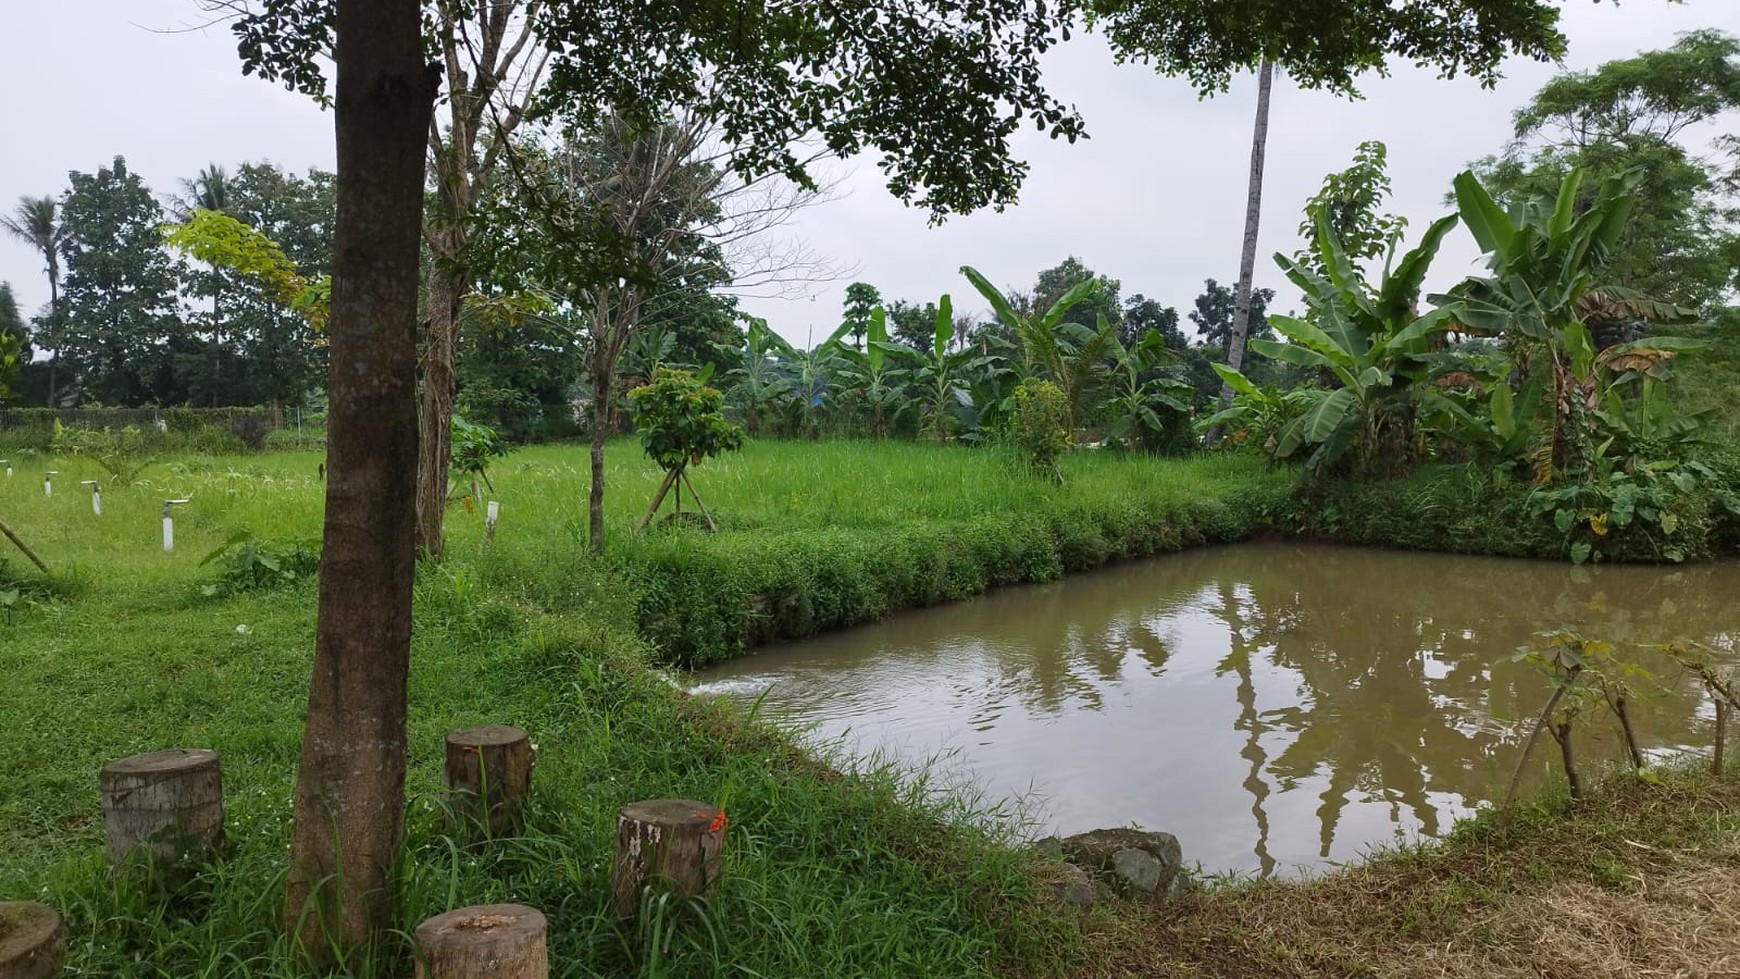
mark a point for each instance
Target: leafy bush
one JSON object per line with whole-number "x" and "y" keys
{"x": 1042, "y": 425}
{"x": 246, "y": 564}
{"x": 681, "y": 420}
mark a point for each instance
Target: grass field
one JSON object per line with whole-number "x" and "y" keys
{"x": 862, "y": 875}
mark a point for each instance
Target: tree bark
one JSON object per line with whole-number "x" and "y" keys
{"x": 489, "y": 769}
{"x": 32, "y": 941}
{"x": 486, "y": 941}
{"x": 163, "y": 804}
{"x": 601, "y": 394}
{"x": 1241, "y": 324}
{"x": 350, "y": 788}
{"x": 446, "y": 296}
{"x": 674, "y": 844}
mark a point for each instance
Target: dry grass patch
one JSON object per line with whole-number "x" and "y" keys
{"x": 1641, "y": 882}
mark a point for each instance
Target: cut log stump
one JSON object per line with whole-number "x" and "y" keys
{"x": 490, "y": 766}
{"x": 673, "y": 844}
{"x": 485, "y": 941}
{"x": 162, "y": 805}
{"x": 32, "y": 942}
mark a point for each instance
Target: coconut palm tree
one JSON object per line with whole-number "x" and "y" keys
{"x": 35, "y": 222}
{"x": 1235, "y": 348}
{"x": 209, "y": 191}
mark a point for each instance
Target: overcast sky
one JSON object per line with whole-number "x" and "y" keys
{"x": 1155, "y": 198}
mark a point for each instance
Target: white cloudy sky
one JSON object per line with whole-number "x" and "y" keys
{"x": 1155, "y": 198}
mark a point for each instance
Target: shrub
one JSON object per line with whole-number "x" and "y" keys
{"x": 1041, "y": 425}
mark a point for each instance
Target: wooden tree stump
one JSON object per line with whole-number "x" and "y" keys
{"x": 674, "y": 844}
{"x": 486, "y": 941}
{"x": 163, "y": 804}
{"x": 491, "y": 766}
{"x": 32, "y": 942}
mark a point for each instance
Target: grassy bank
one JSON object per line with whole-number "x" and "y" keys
{"x": 827, "y": 874}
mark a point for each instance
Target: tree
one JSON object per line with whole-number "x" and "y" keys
{"x": 349, "y": 801}
{"x": 1241, "y": 321}
{"x": 209, "y": 192}
{"x": 1142, "y": 315}
{"x": 119, "y": 329}
{"x": 911, "y": 324}
{"x": 1216, "y": 309}
{"x": 493, "y": 70}
{"x": 1636, "y": 114}
{"x": 14, "y": 340}
{"x": 1327, "y": 44}
{"x": 35, "y": 223}
{"x": 282, "y": 354}
{"x": 1102, "y": 301}
{"x": 1350, "y": 200}
{"x": 861, "y": 298}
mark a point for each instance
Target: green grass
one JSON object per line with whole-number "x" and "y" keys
{"x": 869, "y": 874}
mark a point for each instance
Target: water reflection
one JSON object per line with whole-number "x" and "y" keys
{"x": 1275, "y": 705}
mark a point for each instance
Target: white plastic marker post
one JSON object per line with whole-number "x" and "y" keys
{"x": 489, "y": 515}
{"x": 169, "y": 524}
{"x": 96, "y": 495}
{"x": 48, "y": 482}
{"x": 8, "y": 464}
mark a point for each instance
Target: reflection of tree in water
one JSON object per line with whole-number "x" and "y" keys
{"x": 1361, "y": 628}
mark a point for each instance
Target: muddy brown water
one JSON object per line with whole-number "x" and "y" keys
{"x": 1278, "y": 706}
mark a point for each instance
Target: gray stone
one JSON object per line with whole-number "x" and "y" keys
{"x": 1139, "y": 869}
{"x": 1050, "y": 847}
{"x": 1149, "y": 863}
{"x": 1075, "y": 889}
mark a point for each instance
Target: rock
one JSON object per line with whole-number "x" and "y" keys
{"x": 1050, "y": 848}
{"x": 1075, "y": 889}
{"x": 1139, "y": 869}
{"x": 1148, "y": 863}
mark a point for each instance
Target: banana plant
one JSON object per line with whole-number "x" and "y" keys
{"x": 759, "y": 381}
{"x": 1141, "y": 399}
{"x": 811, "y": 375}
{"x": 939, "y": 377}
{"x": 872, "y": 372}
{"x": 1053, "y": 349}
{"x": 1545, "y": 260}
{"x": 1369, "y": 345}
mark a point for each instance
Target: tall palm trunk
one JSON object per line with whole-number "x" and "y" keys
{"x": 1241, "y": 324}
{"x": 350, "y": 787}
{"x": 54, "y": 326}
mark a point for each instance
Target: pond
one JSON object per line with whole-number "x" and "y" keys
{"x": 1278, "y": 706}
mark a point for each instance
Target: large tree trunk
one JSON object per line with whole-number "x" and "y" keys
{"x": 601, "y": 395}
{"x": 350, "y": 788}
{"x": 446, "y": 296}
{"x": 1241, "y": 324}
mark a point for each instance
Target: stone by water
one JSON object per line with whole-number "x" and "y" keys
{"x": 1277, "y": 706}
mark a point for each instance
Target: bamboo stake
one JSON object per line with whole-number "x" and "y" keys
{"x": 703, "y": 507}
{"x": 12, "y": 535}
{"x": 658, "y": 498}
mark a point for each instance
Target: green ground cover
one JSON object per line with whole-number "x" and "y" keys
{"x": 867, "y": 874}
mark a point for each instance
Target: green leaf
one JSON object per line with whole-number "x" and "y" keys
{"x": 1238, "y": 382}
{"x": 1580, "y": 553}
{"x": 945, "y": 326}
{"x": 1487, "y": 221}
{"x": 1670, "y": 522}
{"x": 1328, "y": 415}
{"x": 1291, "y": 353}
{"x": 1503, "y": 410}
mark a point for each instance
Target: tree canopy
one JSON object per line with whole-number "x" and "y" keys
{"x": 1327, "y": 43}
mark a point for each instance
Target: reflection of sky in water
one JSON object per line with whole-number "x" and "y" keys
{"x": 1275, "y": 706}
